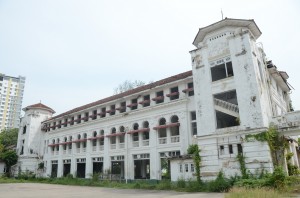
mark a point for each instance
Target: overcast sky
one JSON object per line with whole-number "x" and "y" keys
{"x": 74, "y": 52}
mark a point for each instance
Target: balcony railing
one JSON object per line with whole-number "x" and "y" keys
{"x": 77, "y": 150}
{"x": 94, "y": 148}
{"x": 113, "y": 146}
{"x": 64, "y": 152}
{"x": 162, "y": 140}
{"x": 101, "y": 147}
{"x": 135, "y": 144}
{"x": 84, "y": 150}
{"x": 175, "y": 139}
{"x": 121, "y": 145}
{"x": 56, "y": 152}
{"x": 145, "y": 142}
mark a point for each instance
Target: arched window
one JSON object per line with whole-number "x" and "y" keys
{"x": 65, "y": 139}
{"x": 162, "y": 133}
{"x": 135, "y": 126}
{"x": 162, "y": 121}
{"x": 146, "y": 124}
{"x": 135, "y": 136}
{"x": 84, "y": 136}
{"x": 113, "y": 138}
{"x": 174, "y": 119}
{"x": 94, "y": 133}
{"x": 102, "y": 132}
{"x": 146, "y": 133}
{"x": 122, "y": 129}
{"x": 174, "y": 129}
{"x": 78, "y": 136}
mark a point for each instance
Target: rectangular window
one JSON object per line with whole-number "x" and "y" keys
{"x": 174, "y": 93}
{"x": 180, "y": 168}
{"x": 230, "y": 149}
{"x": 94, "y": 115}
{"x": 240, "y": 149}
{"x": 221, "y": 71}
{"x": 78, "y": 119}
{"x": 186, "y": 168}
{"x": 112, "y": 110}
{"x": 193, "y": 123}
{"x": 222, "y": 152}
{"x": 191, "y": 86}
{"x": 86, "y": 116}
{"x": 123, "y": 107}
{"x": 146, "y": 102}
{"x": 192, "y": 168}
{"x": 103, "y": 112}
{"x": 159, "y": 97}
{"x": 66, "y": 122}
{"x": 134, "y": 104}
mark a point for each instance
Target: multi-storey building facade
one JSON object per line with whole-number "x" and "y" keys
{"x": 232, "y": 90}
{"x": 11, "y": 96}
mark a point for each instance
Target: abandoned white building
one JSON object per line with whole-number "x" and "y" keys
{"x": 231, "y": 91}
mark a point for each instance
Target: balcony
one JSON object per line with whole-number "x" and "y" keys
{"x": 135, "y": 144}
{"x": 145, "y": 142}
{"x": 101, "y": 147}
{"x": 175, "y": 139}
{"x": 121, "y": 145}
{"x": 162, "y": 140}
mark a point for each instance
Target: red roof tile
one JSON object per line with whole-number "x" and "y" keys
{"x": 126, "y": 93}
{"x": 39, "y": 106}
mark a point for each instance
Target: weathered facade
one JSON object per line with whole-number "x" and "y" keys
{"x": 231, "y": 91}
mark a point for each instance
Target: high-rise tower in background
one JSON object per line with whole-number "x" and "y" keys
{"x": 11, "y": 96}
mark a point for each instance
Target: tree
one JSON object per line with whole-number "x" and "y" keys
{"x": 9, "y": 137}
{"x": 10, "y": 158}
{"x": 128, "y": 85}
{"x": 195, "y": 152}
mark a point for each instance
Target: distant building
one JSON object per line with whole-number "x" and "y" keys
{"x": 144, "y": 133}
{"x": 11, "y": 96}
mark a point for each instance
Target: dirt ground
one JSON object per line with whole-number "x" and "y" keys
{"x": 29, "y": 190}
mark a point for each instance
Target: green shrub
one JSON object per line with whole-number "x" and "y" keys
{"x": 220, "y": 184}
{"x": 164, "y": 185}
{"x": 181, "y": 183}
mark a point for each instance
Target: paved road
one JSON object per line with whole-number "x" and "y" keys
{"x": 28, "y": 190}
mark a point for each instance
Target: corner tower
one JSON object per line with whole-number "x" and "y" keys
{"x": 229, "y": 77}
{"x": 30, "y": 138}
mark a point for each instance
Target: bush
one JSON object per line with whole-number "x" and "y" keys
{"x": 221, "y": 184}
{"x": 164, "y": 185}
{"x": 181, "y": 183}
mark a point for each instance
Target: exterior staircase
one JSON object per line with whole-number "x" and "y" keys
{"x": 226, "y": 107}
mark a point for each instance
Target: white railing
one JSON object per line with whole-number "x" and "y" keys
{"x": 84, "y": 150}
{"x": 64, "y": 152}
{"x": 56, "y": 152}
{"x": 145, "y": 142}
{"x": 162, "y": 140}
{"x": 78, "y": 150}
{"x": 112, "y": 146}
{"x": 175, "y": 139}
{"x": 135, "y": 144}
{"x": 101, "y": 147}
{"x": 227, "y": 105}
{"x": 70, "y": 151}
{"x": 94, "y": 148}
{"x": 121, "y": 145}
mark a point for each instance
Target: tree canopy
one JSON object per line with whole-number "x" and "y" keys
{"x": 128, "y": 85}
{"x": 9, "y": 137}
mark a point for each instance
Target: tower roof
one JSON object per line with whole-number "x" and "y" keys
{"x": 39, "y": 106}
{"x": 250, "y": 24}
